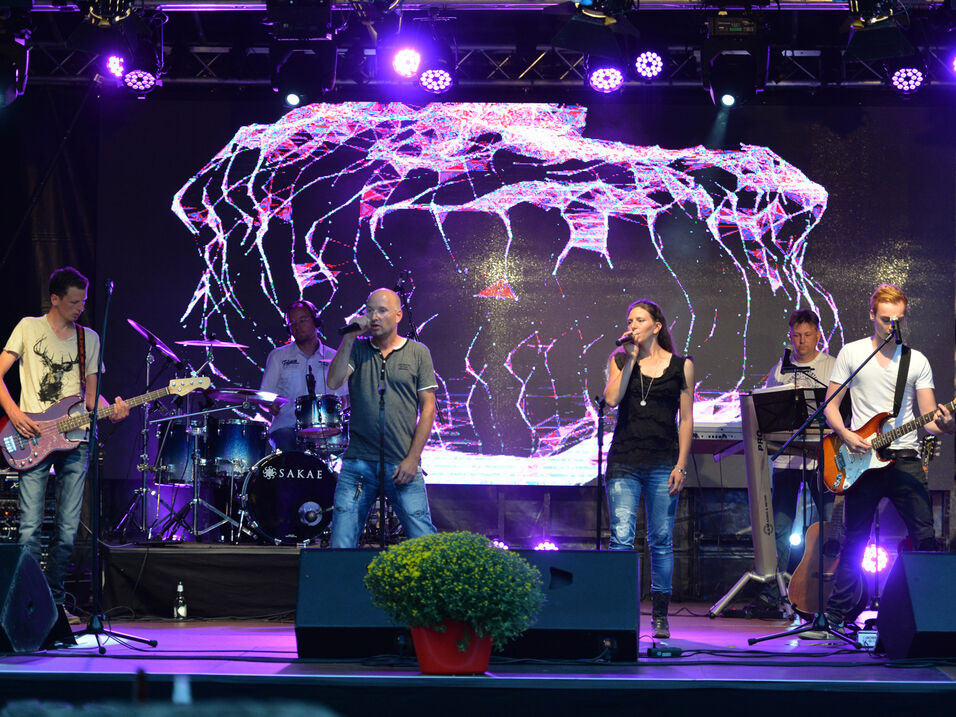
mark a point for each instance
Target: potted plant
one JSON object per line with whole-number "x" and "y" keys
{"x": 460, "y": 596}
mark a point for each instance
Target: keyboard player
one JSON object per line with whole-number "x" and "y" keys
{"x": 802, "y": 365}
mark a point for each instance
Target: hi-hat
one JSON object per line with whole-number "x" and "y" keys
{"x": 262, "y": 399}
{"x": 154, "y": 340}
{"x": 212, "y": 344}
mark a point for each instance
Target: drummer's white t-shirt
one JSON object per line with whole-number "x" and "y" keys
{"x": 285, "y": 372}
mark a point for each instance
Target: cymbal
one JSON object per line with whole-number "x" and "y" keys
{"x": 212, "y": 344}
{"x": 154, "y": 340}
{"x": 242, "y": 395}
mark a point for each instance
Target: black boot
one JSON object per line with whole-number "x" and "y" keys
{"x": 659, "y": 615}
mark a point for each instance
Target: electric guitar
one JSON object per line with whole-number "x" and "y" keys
{"x": 63, "y": 426}
{"x": 841, "y": 468}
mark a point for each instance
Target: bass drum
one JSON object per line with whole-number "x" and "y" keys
{"x": 287, "y": 498}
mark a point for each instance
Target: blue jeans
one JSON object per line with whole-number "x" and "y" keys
{"x": 624, "y": 486}
{"x": 357, "y": 489}
{"x": 70, "y": 467}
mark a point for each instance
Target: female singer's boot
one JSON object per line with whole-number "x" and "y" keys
{"x": 660, "y": 603}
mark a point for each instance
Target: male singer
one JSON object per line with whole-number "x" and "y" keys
{"x": 290, "y": 369}
{"x": 390, "y": 378}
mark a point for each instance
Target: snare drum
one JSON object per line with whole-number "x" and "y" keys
{"x": 176, "y": 452}
{"x": 319, "y": 416}
{"x": 288, "y": 498}
{"x": 235, "y": 445}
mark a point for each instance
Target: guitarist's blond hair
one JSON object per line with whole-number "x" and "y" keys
{"x": 887, "y": 294}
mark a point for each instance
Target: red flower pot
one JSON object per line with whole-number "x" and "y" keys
{"x": 438, "y": 652}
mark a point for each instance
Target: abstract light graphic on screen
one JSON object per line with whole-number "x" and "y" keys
{"x": 526, "y": 241}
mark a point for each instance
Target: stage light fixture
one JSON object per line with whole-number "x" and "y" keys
{"x": 115, "y": 65}
{"x": 303, "y": 71}
{"x": 907, "y": 80}
{"x": 498, "y": 543}
{"x": 436, "y": 81}
{"x": 605, "y": 78}
{"x": 795, "y": 539}
{"x": 14, "y": 60}
{"x": 143, "y": 67}
{"x": 546, "y": 544}
{"x": 734, "y": 58}
{"x": 649, "y": 64}
{"x": 406, "y": 62}
{"x": 875, "y": 559}
{"x": 598, "y": 28}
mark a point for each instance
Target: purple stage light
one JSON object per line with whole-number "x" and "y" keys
{"x": 406, "y": 62}
{"x": 496, "y": 543}
{"x": 140, "y": 80}
{"x": 545, "y": 545}
{"x": 436, "y": 81}
{"x": 649, "y": 64}
{"x": 875, "y": 559}
{"x": 907, "y": 79}
{"x": 606, "y": 79}
{"x": 115, "y": 65}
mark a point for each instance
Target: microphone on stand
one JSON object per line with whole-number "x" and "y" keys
{"x": 897, "y": 332}
{"x": 310, "y": 383}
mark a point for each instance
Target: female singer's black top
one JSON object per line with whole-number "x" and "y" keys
{"x": 647, "y": 435}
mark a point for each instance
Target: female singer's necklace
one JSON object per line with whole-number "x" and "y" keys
{"x": 645, "y": 395}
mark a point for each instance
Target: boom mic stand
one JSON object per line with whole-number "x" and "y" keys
{"x": 97, "y": 618}
{"x": 598, "y": 494}
{"x": 820, "y": 621}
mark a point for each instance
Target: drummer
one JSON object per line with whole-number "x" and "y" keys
{"x": 287, "y": 370}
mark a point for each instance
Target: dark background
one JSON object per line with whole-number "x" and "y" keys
{"x": 106, "y": 209}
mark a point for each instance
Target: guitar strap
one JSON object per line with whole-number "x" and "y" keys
{"x": 904, "y": 371}
{"x": 81, "y": 356}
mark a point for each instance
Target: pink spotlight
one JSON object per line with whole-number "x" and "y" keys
{"x": 436, "y": 81}
{"x": 115, "y": 65}
{"x": 545, "y": 545}
{"x": 875, "y": 559}
{"x": 406, "y": 62}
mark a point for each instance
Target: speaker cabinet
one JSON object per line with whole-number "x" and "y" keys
{"x": 27, "y": 611}
{"x": 916, "y": 617}
{"x": 592, "y": 600}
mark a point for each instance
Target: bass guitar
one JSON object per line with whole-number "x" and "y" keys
{"x": 841, "y": 468}
{"x": 63, "y": 426}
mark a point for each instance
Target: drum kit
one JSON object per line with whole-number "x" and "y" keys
{"x": 220, "y": 438}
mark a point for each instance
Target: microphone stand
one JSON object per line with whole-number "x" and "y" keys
{"x": 598, "y": 494}
{"x": 95, "y": 625}
{"x": 820, "y": 621}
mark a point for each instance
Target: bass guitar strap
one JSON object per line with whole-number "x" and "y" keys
{"x": 904, "y": 371}
{"x": 81, "y": 357}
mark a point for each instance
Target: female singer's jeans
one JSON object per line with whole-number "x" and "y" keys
{"x": 624, "y": 487}
{"x": 70, "y": 467}
{"x": 357, "y": 489}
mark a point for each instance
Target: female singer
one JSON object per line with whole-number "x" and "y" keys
{"x": 649, "y": 450}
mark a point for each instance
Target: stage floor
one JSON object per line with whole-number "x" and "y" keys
{"x": 258, "y": 661}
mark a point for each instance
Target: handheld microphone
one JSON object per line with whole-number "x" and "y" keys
{"x": 629, "y": 339}
{"x": 895, "y": 328}
{"x": 349, "y": 329}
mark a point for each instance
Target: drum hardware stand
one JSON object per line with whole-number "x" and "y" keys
{"x": 95, "y": 625}
{"x": 179, "y": 519}
{"x": 820, "y": 620}
{"x": 144, "y": 467}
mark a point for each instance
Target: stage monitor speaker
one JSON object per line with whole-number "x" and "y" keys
{"x": 916, "y": 617}
{"x": 592, "y": 601}
{"x": 334, "y": 615}
{"x": 27, "y": 610}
